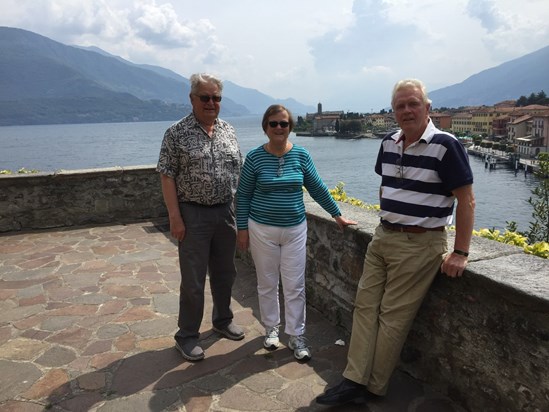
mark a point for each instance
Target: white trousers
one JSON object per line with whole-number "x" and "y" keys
{"x": 280, "y": 253}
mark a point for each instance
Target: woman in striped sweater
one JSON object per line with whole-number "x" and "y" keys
{"x": 271, "y": 222}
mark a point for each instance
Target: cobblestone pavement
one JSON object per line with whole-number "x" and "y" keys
{"x": 87, "y": 318}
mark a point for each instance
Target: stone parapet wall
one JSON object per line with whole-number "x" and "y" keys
{"x": 482, "y": 339}
{"x": 79, "y": 197}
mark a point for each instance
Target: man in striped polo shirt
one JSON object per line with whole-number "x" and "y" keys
{"x": 423, "y": 172}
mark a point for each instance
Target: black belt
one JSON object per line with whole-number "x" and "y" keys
{"x": 410, "y": 229}
{"x": 201, "y": 205}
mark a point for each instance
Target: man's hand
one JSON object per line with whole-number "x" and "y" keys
{"x": 453, "y": 265}
{"x": 177, "y": 228}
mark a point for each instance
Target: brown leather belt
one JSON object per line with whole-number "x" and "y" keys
{"x": 411, "y": 229}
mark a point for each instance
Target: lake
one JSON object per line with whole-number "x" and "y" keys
{"x": 501, "y": 195}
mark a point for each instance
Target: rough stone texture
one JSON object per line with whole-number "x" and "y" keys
{"x": 79, "y": 197}
{"x": 481, "y": 340}
{"x": 113, "y": 358}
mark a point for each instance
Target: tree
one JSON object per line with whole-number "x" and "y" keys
{"x": 542, "y": 98}
{"x": 522, "y": 101}
{"x": 539, "y": 226}
{"x": 534, "y": 98}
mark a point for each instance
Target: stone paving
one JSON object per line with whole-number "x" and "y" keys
{"x": 87, "y": 318}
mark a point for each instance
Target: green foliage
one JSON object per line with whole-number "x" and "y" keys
{"x": 119, "y": 107}
{"x": 510, "y": 237}
{"x": 302, "y": 125}
{"x": 539, "y": 98}
{"x": 350, "y": 126}
{"x": 339, "y": 194}
{"x": 539, "y": 226}
{"x": 20, "y": 171}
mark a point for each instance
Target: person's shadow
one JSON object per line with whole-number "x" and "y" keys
{"x": 161, "y": 379}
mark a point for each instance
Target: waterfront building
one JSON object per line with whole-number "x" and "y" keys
{"x": 481, "y": 120}
{"x": 499, "y": 127}
{"x": 461, "y": 123}
{"x": 324, "y": 122}
{"x": 442, "y": 121}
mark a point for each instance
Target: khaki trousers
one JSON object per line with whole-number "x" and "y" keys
{"x": 398, "y": 270}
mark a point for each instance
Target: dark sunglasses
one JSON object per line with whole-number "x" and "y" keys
{"x": 205, "y": 98}
{"x": 282, "y": 124}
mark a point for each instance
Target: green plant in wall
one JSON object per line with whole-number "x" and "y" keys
{"x": 20, "y": 171}
{"x": 339, "y": 195}
{"x": 539, "y": 226}
{"x": 510, "y": 236}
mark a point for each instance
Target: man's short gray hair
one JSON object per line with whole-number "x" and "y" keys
{"x": 415, "y": 83}
{"x": 204, "y": 78}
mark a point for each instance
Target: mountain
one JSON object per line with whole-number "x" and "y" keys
{"x": 44, "y": 81}
{"x": 510, "y": 80}
{"x": 253, "y": 100}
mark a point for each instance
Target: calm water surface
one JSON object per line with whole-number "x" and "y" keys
{"x": 501, "y": 195}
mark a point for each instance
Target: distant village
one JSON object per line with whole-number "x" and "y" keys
{"x": 504, "y": 126}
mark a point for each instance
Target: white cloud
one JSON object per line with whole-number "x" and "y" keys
{"x": 159, "y": 25}
{"x": 347, "y": 54}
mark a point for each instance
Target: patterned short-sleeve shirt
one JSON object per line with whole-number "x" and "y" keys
{"x": 206, "y": 169}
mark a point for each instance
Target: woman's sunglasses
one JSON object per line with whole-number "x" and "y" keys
{"x": 282, "y": 124}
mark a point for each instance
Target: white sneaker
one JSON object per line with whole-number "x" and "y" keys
{"x": 299, "y": 345}
{"x": 271, "y": 341}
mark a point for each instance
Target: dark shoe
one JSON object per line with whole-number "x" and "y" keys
{"x": 231, "y": 331}
{"x": 346, "y": 392}
{"x": 189, "y": 350}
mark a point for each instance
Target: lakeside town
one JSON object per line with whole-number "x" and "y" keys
{"x": 502, "y": 133}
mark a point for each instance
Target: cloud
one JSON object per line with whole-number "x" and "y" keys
{"x": 159, "y": 25}
{"x": 347, "y": 54}
{"x": 371, "y": 41}
{"x": 377, "y": 69}
{"x": 487, "y": 13}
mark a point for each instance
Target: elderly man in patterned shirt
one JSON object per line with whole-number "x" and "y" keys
{"x": 199, "y": 165}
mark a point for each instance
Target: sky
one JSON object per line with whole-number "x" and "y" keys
{"x": 345, "y": 54}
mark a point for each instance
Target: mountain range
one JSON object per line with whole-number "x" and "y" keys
{"x": 508, "y": 81}
{"x": 43, "y": 81}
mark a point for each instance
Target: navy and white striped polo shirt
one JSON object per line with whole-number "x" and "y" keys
{"x": 416, "y": 186}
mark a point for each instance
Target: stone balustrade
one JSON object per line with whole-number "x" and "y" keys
{"x": 482, "y": 339}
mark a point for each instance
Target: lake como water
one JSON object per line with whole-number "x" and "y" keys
{"x": 501, "y": 195}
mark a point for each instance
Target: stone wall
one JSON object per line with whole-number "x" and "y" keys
{"x": 79, "y": 197}
{"x": 483, "y": 339}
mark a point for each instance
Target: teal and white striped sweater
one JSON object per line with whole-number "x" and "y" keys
{"x": 270, "y": 190}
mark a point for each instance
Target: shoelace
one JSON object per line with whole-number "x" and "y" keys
{"x": 300, "y": 342}
{"x": 273, "y": 332}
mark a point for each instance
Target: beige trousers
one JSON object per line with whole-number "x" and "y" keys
{"x": 398, "y": 270}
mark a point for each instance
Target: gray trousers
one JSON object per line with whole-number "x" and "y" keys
{"x": 209, "y": 246}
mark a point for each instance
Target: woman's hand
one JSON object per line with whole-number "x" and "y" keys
{"x": 342, "y": 222}
{"x": 243, "y": 240}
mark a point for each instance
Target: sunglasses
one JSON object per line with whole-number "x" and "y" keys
{"x": 400, "y": 168}
{"x": 280, "y": 170}
{"x": 205, "y": 98}
{"x": 282, "y": 124}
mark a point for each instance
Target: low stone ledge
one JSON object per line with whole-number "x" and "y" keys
{"x": 482, "y": 339}
{"x": 79, "y": 197}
